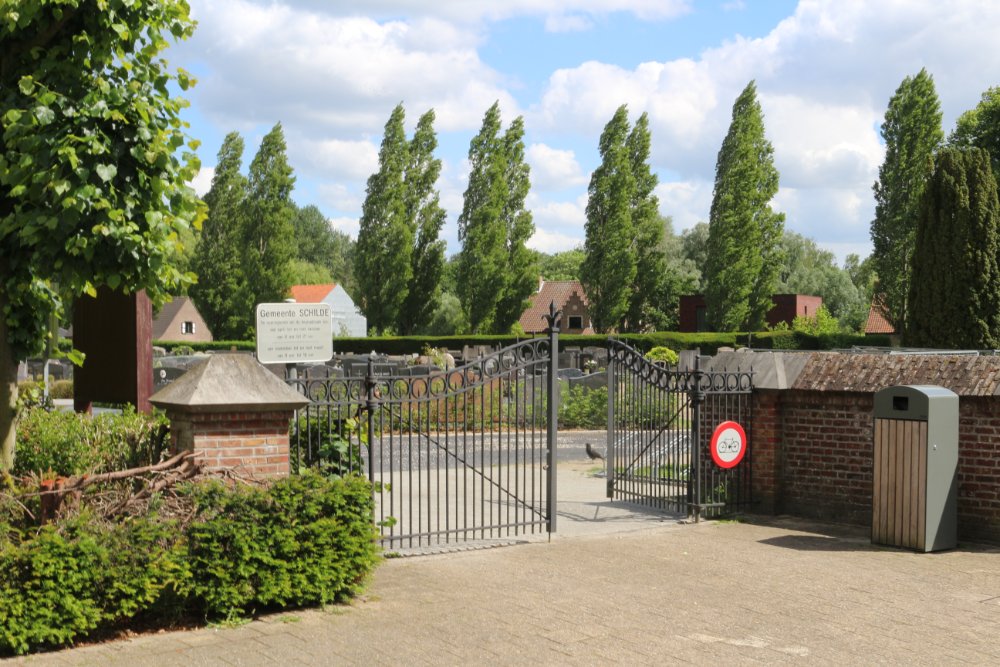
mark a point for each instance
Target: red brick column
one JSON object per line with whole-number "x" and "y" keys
{"x": 254, "y": 443}
{"x": 766, "y": 448}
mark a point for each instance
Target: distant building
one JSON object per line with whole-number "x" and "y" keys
{"x": 569, "y": 297}
{"x": 347, "y": 319}
{"x": 786, "y": 308}
{"x": 179, "y": 320}
{"x": 877, "y": 322}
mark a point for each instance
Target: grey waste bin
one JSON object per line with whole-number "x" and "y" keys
{"x": 915, "y": 462}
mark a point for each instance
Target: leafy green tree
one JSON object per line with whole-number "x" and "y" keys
{"x": 862, "y": 275}
{"x": 955, "y": 295}
{"x": 694, "y": 249}
{"x": 448, "y": 318}
{"x": 495, "y": 274}
{"x": 648, "y": 303}
{"x": 807, "y": 269}
{"x": 744, "y": 251}
{"x": 92, "y": 168}
{"x": 301, "y": 272}
{"x": 217, "y": 261}
{"x": 425, "y": 218}
{"x": 559, "y": 266}
{"x": 321, "y": 245}
{"x": 912, "y": 133}
{"x": 382, "y": 259}
{"x": 608, "y": 273}
{"x": 822, "y": 322}
{"x": 980, "y": 127}
{"x": 521, "y": 273}
{"x": 266, "y": 231}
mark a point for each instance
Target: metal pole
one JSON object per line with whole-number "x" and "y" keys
{"x": 609, "y": 452}
{"x": 553, "y": 413}
{"x": 697, "y": 397}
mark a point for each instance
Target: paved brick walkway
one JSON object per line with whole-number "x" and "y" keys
{"x": 712, "y": 593}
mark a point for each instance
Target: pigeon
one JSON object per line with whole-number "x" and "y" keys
{"x": 593, "y": 453}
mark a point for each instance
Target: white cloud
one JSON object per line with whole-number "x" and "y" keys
{"x": 336, "y": 158}
{"x": 686, "y": 202}
{"x": 551, "y": 242}
{"x": 475, "y": 11}
{"x": 336, "y": 73}
{"x": 347, "y": 225}
{"x": 568, "y": 217}
{"x": 553, "y": 168}
{"x": 202, "y": 183}
{"x": 341, "y": 198}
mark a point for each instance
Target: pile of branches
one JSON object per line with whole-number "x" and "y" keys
{"x": 118, "y": 494}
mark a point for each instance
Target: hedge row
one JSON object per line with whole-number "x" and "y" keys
{"x": 304, "y": 540}
{"x": 707, "y": 342}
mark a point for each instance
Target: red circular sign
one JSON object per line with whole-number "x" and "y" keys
{"x": 729, "y": 444}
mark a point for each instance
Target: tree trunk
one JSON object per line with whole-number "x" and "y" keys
{"x": 8, "y": 393}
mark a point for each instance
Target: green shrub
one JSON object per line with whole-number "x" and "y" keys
{"x": 582, "y": 407}
{"x": 69, "y": 579}
{"x": 305, "y": 540}
{"x": 302, "y": 540}
{"x": 69, "y": 443}
{"x": 663, "y": 355}
{"x": 329, "y": 445}
{"x": 61, "y": 389}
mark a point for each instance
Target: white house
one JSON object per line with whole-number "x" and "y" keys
{"x": 347, "y": 319}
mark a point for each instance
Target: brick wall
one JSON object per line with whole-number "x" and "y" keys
{"x": 250, "y": 442}
{"x": 812, "y": 454}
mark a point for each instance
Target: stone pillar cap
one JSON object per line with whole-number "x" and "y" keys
{"x": 228, "y": 383}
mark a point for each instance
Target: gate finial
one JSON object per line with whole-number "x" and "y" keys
{"x": 553, "y": 317}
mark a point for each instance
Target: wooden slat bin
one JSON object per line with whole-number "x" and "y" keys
{"x": 915, "y": 460}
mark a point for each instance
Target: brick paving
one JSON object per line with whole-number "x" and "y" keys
{"x": 768, "y": 591}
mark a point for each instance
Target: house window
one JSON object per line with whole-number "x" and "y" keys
{"x": 187, "y": 327}
{"x": 575, "y": 322}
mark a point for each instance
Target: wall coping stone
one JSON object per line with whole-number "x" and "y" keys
{"x": 228, "y": 383}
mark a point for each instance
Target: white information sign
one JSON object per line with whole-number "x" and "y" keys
{"x": 294, "y": 333}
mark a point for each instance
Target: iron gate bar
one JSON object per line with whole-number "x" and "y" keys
{"x": 644, "y": 401}
{"x": 426, "y": 441}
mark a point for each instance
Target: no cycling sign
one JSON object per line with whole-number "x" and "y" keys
{"x": 728, "y": 445}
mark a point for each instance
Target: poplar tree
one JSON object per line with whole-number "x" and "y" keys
{"x": 744, "y": 234}
{"x": 425, "y": 218}
{"x": 980, "y": 127}
{"x": 609, "y": 270}
{"x": 267, "y": 234}
{"x": 520, "y": 274}
{"x": 955, "y": 294}
{"x": 493, "y": 227}
{"x": 651, "y": 287}
{"x": 382, "y": 266}
{"x": 217, "y": 261}
{"x": 912, "y": 133}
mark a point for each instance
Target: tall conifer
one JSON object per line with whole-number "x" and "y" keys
{"x": 955, "y": 292}
{"x": 385, "y": 239}
{"x": 494, "y": 226}
{"x": 912, "y": 132}
{"x": 744, "y": 234}
{"x": 217, "y": 260}
{"x": 609, "y": 270}
{"x": 267, "y": 233}
{"x": 425, "y": 217}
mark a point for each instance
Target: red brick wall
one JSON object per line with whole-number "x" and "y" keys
{"x": 812, "y": 454}
{"x": 250, "y": 442}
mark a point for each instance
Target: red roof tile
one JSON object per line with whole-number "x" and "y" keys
{"x": 877, "y": 322}
{"x": 558, "y": 292}
{"x": 311, "y": 293}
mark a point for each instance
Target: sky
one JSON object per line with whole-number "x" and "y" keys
{"x": 331, "y": 71}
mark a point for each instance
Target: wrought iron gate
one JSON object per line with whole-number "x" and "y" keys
{"x": 660, "y": 421}
{"x": 454, "y": 456}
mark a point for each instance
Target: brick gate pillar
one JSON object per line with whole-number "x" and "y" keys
{"x": 233, "y": 413}
{"x": 767, "y": 450}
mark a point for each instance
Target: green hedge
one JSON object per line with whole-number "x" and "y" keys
{"x": 303, "y": 540}
{"x": 240, "y": 345}
{"x": 707, "y": 342}
{"x": 796, "y": 340}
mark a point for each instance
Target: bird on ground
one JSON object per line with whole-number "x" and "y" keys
{"x": 593, "y": 453}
